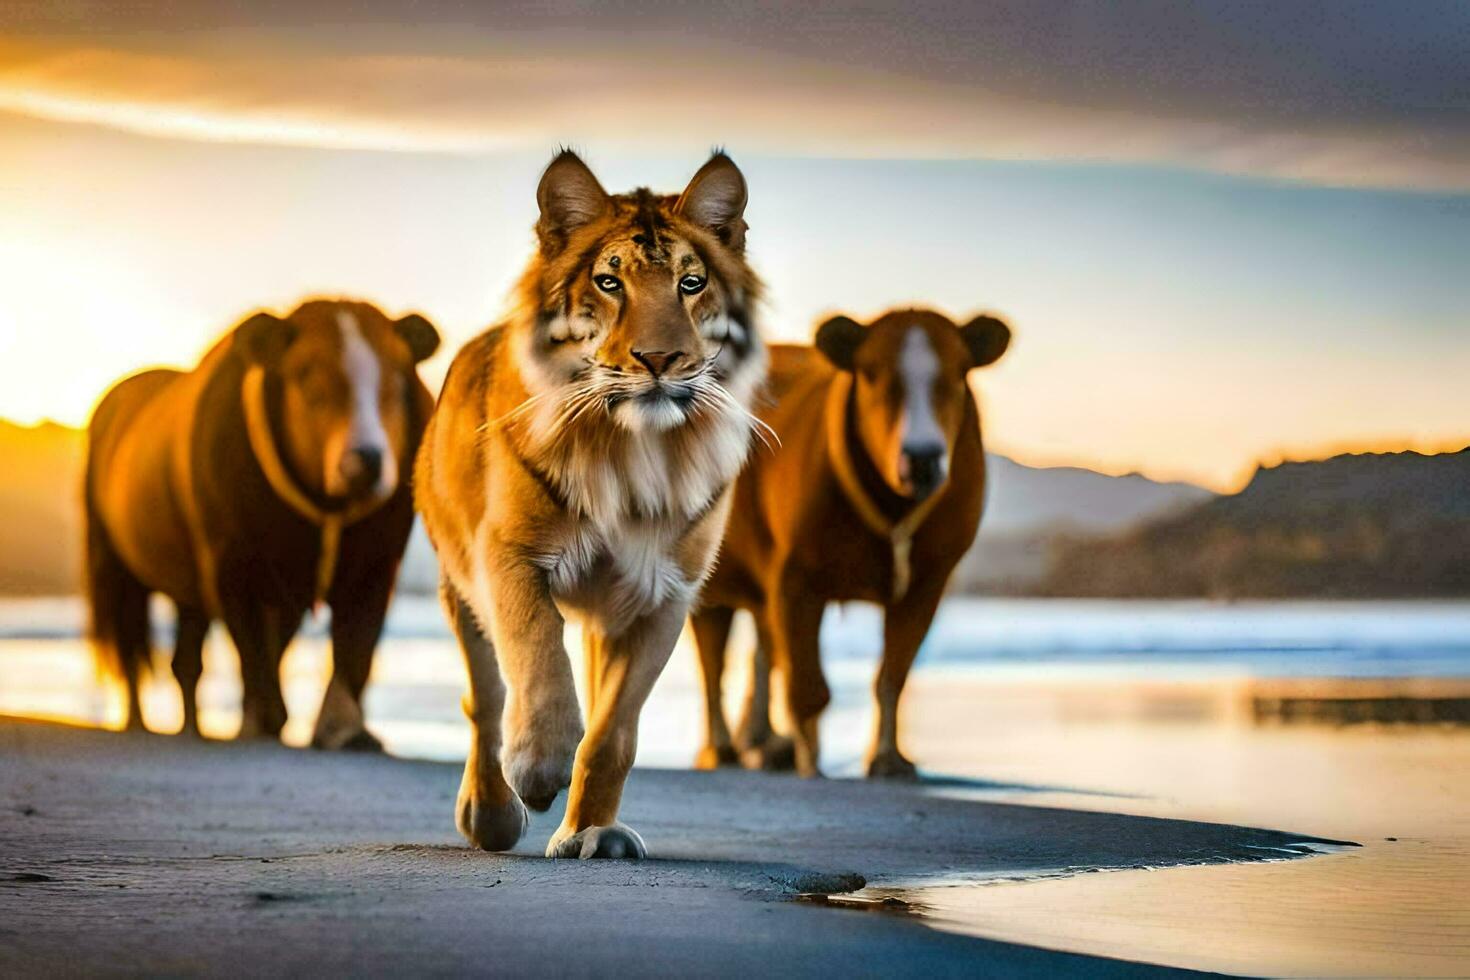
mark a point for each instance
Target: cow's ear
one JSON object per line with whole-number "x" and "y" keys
{"x": 569, "y": 197}
{"x": 263, "y": 338}
{"x": 839, "y": 338}
{"x": 987, "y": 337}
{"x": 420, "y": 335}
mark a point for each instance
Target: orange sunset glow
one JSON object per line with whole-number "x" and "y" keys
{"x": 1200, "y": 294}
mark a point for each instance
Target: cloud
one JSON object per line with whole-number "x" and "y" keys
{"x": 1351, "y": 95}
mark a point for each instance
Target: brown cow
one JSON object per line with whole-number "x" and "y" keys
{"x": 874, "y": 494}
{"x": 273, "y": 475}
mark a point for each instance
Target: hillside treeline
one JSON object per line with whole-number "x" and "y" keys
{"x": 1389, "y": 525}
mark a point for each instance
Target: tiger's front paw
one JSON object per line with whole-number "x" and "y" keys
{"x": 539, "y": 754}
{"x": 616, "y": 840}
{"x": 491, "y": 818}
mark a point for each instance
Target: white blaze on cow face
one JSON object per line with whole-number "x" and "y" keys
{"x": 360, "y": 459}
{"x": 923, "y": 449}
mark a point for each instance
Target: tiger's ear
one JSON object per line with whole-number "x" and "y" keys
{"x": 839, "y": 338}
{"x": 263, "y": 338}
{"x": 715, "y": 199}
{"x": 419, "y": 334}
{"x": 987, "y": 337}
{"x": 569, "y": 197}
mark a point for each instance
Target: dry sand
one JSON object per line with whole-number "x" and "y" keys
{"x": 151, "y": 854}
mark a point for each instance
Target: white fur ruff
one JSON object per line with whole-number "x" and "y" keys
{"x": 632, "y": 475}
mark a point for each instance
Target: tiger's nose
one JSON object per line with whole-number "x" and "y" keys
{"x": 658, "y": 362}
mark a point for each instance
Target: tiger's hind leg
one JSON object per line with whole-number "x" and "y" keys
{"x": 711, "y": 627}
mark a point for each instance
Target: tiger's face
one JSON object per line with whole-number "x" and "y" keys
{"x": 643, "y": 301}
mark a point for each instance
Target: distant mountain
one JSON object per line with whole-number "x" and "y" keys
{"x": 1359, "y": 525}
{"x": 1029, "y": 509}
{"x": 1025, "y": 499}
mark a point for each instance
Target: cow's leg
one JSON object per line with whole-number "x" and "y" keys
{"x": 755, "y": 716}
{"x": 795, "y": 626}
{"x": 755, "y": 738}
{"x": 905, "y": 625}
{"x": 118, "y": 604}
{"x": 711, "y": 627}
{"x": 357, "y": 624}
{"x": 629, "y": 663}
{"x": 488, "y": 812}
{"x": 188, "y": 663}
{"x": 135, "y": 650}
{"x": 260, "y": 638}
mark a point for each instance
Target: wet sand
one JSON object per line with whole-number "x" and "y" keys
{"x": 1396, "y": 906}
{"x": 147, "y": 854}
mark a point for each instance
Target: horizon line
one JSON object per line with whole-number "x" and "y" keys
{"x": 1155, "y": 474}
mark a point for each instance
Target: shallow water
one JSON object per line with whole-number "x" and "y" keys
{"x": 1398, "y": 905}
{"x": 418, "y": 677}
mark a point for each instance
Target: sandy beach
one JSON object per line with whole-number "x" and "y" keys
{"x": 147, "y": 854}
{"x": 138, "y": 854}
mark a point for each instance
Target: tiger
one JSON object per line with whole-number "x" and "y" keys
{"x": 578, "y": 467}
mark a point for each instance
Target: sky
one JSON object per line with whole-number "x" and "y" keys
{"x": 1222, "y": 236}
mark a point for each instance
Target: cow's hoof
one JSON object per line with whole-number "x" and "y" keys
{"x": 363, "y": 741}
{"x": 716, "y": 756}
{"x": 776, "y": 754}
{"x": 891, "y": 765}
{"x": 357, "y": 740}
